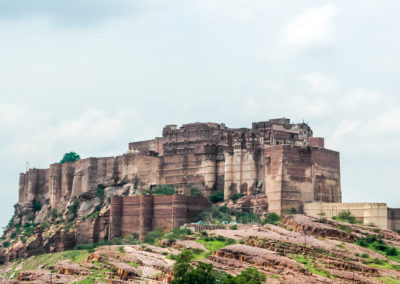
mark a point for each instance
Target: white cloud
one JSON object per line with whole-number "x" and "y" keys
{"x": 360, "y": 96}
{"x": 314, "y": 26}
{"x": 237, "y": 10}
{"x": 388, "y": 122}
{"x": 93, "y": 132}
{"x": 319, "y": 82}
{"x": 346, "y": 128}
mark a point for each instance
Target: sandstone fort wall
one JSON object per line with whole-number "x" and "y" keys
{"x": 145, "y": 213}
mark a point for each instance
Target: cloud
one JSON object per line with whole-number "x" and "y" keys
{"x": 347, "y": 127}
{"x": 360, "y": 96}
{"x": 71, "y": 13}
{"x": 236, "y": 10}
{"x": 313, "y": 26}
{"x": 92, "y": 133}
{"x": 319, "y": 82}
{"x": 387, "y": 123}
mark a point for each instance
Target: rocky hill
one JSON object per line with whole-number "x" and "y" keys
{"x": 298, "y": 249}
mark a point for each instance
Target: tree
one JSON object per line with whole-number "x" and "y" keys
{"x": 235, "y": 196}
{"x": 346, "y": 216}
{"x": 216, "y": 197}
{"x": 36, "y": 205}
{"x": 271, "y": 218}
{"x": 182, "y": 266}
{"x": 203, "y": 274}
{"x": 70, "y": 157}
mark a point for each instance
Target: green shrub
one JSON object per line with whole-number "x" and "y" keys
{"x": 235, "y": 196}
{"x": 178, "y": 234}
{"x": 233, "y": 227}
{"x": 70, "y": 157}
{"x": 45, "y": 225}
{"x": 29, "y": 229}
{"x": 36, "y": 205}
{"x": 249, "y": 275}
{"x": 216, "y": 215}
{"x": 152, "y": 236}
{"x": 346, "y": 216}
{"x": 271, "y": 218}
{"x": 247, "y": 217}
{"x": 216, "y": 196}
{"x": 221, "y": 238}
{"x": 100, "y": 192}
{"x": 53, "y": 213}
{"x": 162, "y": 190}
{"x": 194, "y": 191}
{"x": 292, "y": 211}
{"x": 73, "y": 210}
{"x": 377, "y": 244}
{"x": 6, "y": 244}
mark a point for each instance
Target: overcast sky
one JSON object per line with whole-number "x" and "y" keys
{"x": 91, "y": 76}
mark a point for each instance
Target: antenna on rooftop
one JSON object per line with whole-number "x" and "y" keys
{"x": 26, "y": 167}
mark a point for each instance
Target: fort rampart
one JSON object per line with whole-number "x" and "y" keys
{"x": 144, "y": 213}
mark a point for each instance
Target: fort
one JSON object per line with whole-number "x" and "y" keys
{"x": 280, "y": 159}
{"x": 276, "y": 158}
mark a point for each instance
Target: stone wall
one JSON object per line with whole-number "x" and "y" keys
{"x": 295, "y": 175}
{"x": 211, "y": 157}
{"x": 394, "y": 218}
{"x": 367, "y": 213}
{"x": 61, "y": 182}
{"x": 143, "y": 214}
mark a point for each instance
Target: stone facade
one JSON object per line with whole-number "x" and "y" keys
{"x": 274, "y": 157}
{"x": 61, "y": 182}
{"x": 144, "y": 213}
{"x": 377, "y": 214}
{"x": 393, "y": 218}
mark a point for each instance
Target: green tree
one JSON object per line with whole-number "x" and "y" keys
{"x": 36, "y": 205}
{"x": 203, "y": 274}
{"x": 70, "y": 157}
{"x": 235, "y": 196}
{"x": 271, "y": 218}
{"x": 346, "y": 216}
{"x": 182, "y": 266}
{"x": 216, "y": 197}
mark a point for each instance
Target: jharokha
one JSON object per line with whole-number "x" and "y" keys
{"x": 276, "y": 160}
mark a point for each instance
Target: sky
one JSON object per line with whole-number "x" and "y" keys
{"x": 91, "y": 76}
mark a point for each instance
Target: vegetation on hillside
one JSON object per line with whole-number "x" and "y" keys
{"x": 345, "y": 216}
{"x": 204, "y": 273}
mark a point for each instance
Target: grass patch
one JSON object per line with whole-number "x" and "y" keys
{"x": 380, "y": 263}
{"x": 89, "y": 280}
{"x": 212, "y": 244}
{"x": 311, "y": 266}
{"x": 49, "y": 259}
{"x": 389, "y": 280}
{"x": 345, "y": 228}
{"x": 377, "y": 244}
{"x": 134, "y": 264}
